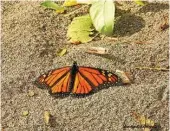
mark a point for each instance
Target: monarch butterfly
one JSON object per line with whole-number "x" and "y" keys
{"x": 77, "y": 80}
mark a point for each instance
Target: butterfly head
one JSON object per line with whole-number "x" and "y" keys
{"x": 74, "y": 67}
{"x": 75, "y": 63}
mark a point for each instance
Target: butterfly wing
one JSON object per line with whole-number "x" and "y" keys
{"x": 56, "y": 81}
{"x": 88, "y": 80}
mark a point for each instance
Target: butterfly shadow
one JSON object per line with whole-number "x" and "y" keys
{"x": 62, "y": 96}
{"x": 112, "y": 57}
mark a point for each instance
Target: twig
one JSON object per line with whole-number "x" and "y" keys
{"x": 142, "y": 42}
{"x": 75, "y": 10}
{"x": 149, "y": 68}
{"x": 95, "y": 36}
{"x": 97, "y": 50}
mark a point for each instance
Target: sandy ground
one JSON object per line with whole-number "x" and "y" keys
{"x": 30, "y": 39}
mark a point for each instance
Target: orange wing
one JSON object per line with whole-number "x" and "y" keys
{"x": 57, "y": 81}
{"x": 88, "y": 80}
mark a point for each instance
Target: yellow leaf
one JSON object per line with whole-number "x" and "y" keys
{"x": 25, "y": 113}
{"x": 60, "y": 10}
{"x": 70, "y": 2}
{"x": 139, "y": 2}
{"x": 46, "y": 117}
{"x": 61, "y": 52}
{"x": 143, "y": 120}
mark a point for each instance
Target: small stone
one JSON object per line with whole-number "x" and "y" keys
{"x": 31, "y": 93}
{"x": 165, "y": 94}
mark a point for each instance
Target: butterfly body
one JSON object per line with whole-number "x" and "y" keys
{"x": 77, "y": 80}
{"x": 74, "y": 70}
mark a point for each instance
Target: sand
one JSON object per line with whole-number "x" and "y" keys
{"x": 31, "y": 37}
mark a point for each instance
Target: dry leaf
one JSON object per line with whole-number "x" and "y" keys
{"x": 124, "y": 76}
{"x": 46, "y": 117}
{"x": 142, "y": 42}
{"x": 165, "y": 25}
{"x": 75, "y": 42}
{"x": 97, "y": 50}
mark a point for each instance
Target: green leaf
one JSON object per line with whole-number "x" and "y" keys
{"x": 54, "y": 6}
{"x": 50, "y": 4}
{"x": 80, "y": 29}
{"x": 103, "y": 14}
{"x": 139, "y": 2}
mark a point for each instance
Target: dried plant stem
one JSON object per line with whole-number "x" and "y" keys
{"x": 76, "y": 10}
{"x": 95, "y": 36}
{"x": 149, "y": 68}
